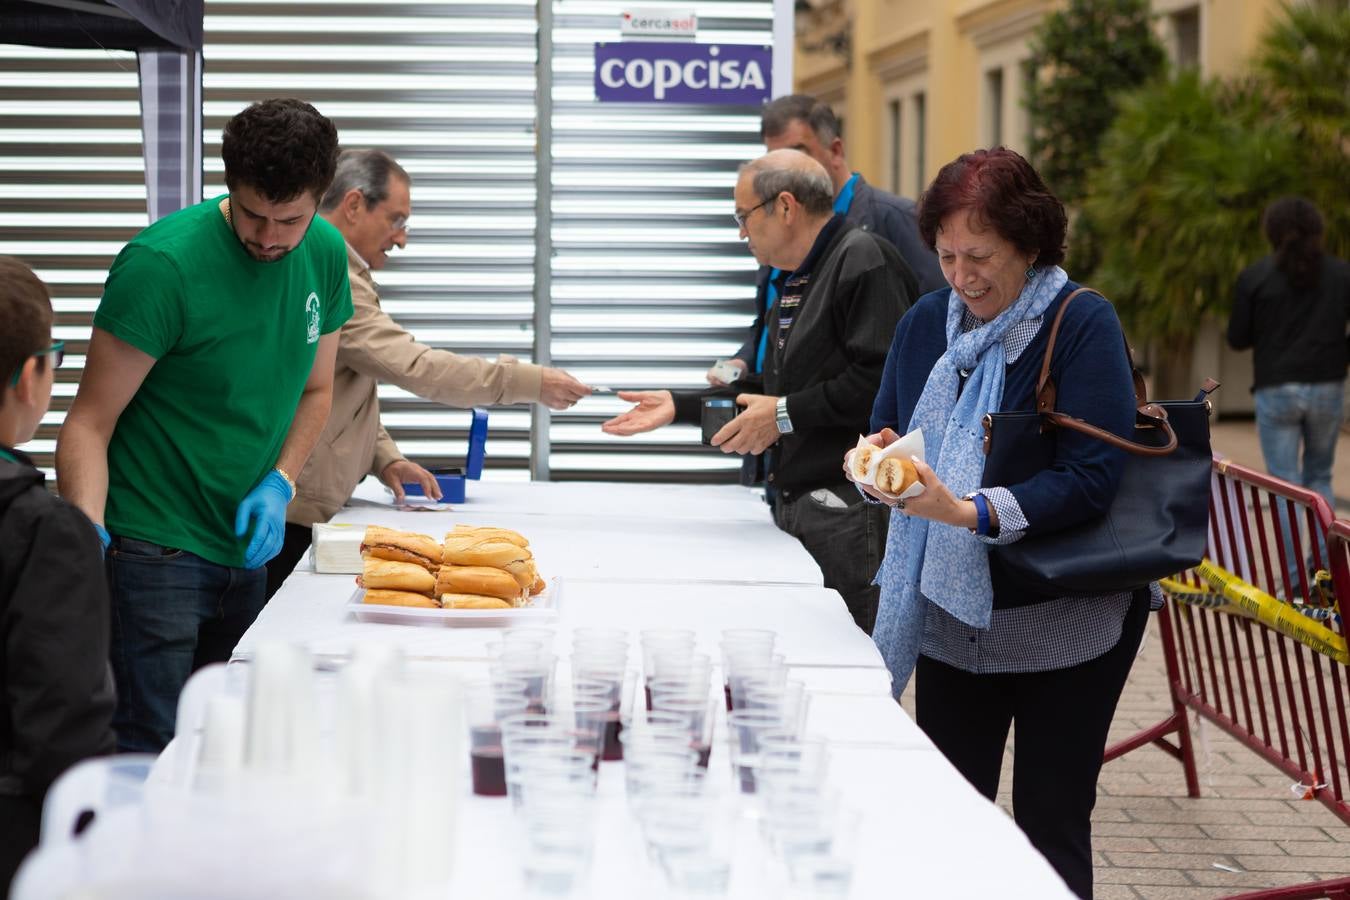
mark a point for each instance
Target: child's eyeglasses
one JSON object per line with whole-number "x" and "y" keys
{"x": 57, "y": 350}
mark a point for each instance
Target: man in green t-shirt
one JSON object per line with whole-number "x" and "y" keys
{"x": 208, "y": 380}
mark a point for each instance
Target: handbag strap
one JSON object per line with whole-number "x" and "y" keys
{"x": 1153, "y": 414}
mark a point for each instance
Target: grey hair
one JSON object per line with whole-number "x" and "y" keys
{"x": 809, "y": 184}
{"x": 367, "y": 171}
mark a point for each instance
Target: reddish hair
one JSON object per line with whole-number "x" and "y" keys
{"x": 1003, "y": 192}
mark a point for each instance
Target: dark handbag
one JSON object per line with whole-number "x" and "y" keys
{"x": 1157, "y": 523}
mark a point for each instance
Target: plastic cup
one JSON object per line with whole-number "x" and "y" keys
{"x": 744, "y": 730}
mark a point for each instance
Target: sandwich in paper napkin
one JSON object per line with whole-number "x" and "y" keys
{"x": 865, "y": 460}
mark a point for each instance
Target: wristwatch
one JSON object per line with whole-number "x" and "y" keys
{"x": 781, "y": 415}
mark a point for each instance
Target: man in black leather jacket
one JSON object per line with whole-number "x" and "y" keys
{"x": 843, "y": 295}
{"x": 801, "y": 122}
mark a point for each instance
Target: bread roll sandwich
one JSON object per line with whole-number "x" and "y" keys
{"x": 473, "y": 601}
{"x": 862, "y": 460}
{"x": 470, "y": 550}
{"x": 398, "y": 576}
{"x": 481, "y": 580}
{"x": 401, "y": 546}
{"x": 895, "y": 475}
{"x": 524, "y": 572}
{"x": 494, "y": 534}
{"x": 399, "y": 598}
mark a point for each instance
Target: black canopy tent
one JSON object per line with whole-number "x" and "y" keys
{"x": 167, "y": 38}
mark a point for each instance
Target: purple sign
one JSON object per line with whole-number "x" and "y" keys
{"x": 671, "y": 72}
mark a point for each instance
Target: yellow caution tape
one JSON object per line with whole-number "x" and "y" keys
{"x": 1244, "y": 599}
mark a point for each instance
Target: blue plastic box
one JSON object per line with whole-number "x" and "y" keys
{"x": 453, "y": 479}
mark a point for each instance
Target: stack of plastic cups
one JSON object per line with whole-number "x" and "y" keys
{"x": 416, "y": 795}
{"x": 550, "y": 775}
{"x": 689, "y": 696}
{"x": 692, "y": 840}
{"x": 658, "y": 766}
{"x": 559, "y": 816}
{"x": 742, "y": 647}
{"x": 529, "y": 736}
{"x": 746, "y": 729}
{"x": 551, "y": 771}
{"x": 282, "y": 731}
{"x": 600, "y": 672}
{"x": 551, "y": 781}
{"x": 803, "y": 823}
{"x": 689, "y": 831}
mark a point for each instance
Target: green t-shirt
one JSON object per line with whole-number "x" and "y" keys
{"x": 234, "y": 340}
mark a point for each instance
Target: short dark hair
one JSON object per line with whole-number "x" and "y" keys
{"x": 1293, "y": 226}
{"x": 1003, "y": 192}
{"x": 780, "y": 113}
{"x": 25, "y": 318}
{"x": 282, "y": 148}
{"x": 368, "y": 171}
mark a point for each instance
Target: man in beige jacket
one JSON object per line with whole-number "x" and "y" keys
{"x": 369, "y": 202}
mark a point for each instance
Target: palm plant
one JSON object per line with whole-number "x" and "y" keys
{"x": 1189, "y": 164}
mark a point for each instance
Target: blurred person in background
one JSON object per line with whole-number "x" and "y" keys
{"x": 1291, "y": 308}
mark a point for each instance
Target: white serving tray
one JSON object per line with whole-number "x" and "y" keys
{"x": 544, "y": 609}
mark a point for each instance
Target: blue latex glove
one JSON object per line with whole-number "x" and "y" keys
{"x": 103, "y": 537}
{"x": 265, "y": 507}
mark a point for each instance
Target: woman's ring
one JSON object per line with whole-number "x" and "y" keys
{"x": 900, "y": 504}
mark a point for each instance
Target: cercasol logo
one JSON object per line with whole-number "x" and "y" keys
{"x": 685, "y": 73}
{"x": 659, "y": 22}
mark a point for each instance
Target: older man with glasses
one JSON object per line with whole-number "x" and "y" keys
{"x": 828, "y": 336}
{"x": 370, "y": 202}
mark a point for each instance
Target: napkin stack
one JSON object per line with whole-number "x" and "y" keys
{"x": 336, "y": 549}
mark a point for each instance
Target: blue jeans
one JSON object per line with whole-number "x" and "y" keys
{"x": 1309, "y": 414}
{"x": 172, "y": 613}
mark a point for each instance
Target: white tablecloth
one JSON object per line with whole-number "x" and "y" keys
{"x": 924, "y": 833}
{"x": 624, "y": 532}
{"x": 591, "y": 499}
{"x": 708, "y": 558}
{"x": 814, "y": 628}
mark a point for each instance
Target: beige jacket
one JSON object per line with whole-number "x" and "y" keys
{"x": 373, "y": 347}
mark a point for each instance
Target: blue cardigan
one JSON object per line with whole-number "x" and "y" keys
{"x": 1093, "y": 381}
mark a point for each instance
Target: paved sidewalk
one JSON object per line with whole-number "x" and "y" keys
{"x": 1246, "y": 830}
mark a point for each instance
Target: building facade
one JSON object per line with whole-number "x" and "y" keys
{"x": 916, "y": 83}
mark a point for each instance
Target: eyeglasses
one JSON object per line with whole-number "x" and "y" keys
{"x": 58, "y": 348}
{"x": 741, "y": 218}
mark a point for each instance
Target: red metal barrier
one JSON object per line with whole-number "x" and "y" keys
{"x": 1281, "y": 699}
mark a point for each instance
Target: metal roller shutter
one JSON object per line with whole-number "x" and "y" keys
{"x": 650, "y": 282}
{"x": 72, "y": 188}
{"x": 448, "y": 89}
